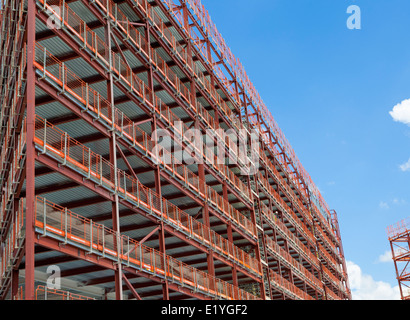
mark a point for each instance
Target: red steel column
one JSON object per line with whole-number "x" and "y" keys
{"x": 30, "y": 163}
{"x": 230, "y": 237}
{"x": 397, "y": 269}
{"x": 162, "y": 246}
{"x": 258, "y": 254}
{"x": 113, "y": 160}
{"x": 201, "y": 166}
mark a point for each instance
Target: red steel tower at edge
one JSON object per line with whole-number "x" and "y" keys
{"x": 399, "y": 238}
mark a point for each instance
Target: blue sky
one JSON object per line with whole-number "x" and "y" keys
{"x": 331, "y": 90}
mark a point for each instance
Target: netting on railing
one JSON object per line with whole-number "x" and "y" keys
{"x": 296, "y": 265}
{"x": 83, "y": 232}
{"x": 200, "y": 15}
{"x": 15, "y": 169}
{"x": 281, "y": 227}
{"x": 398, "y": 229}
{"x": 160, "y": 64}
{"x": 44, "y": 293}
{"x": 93, "y": 101}
{"x": 288, "y": 287}
{"x": 285, "y": 186}
{"x": 284, "y": 208}
{"x": 13, "y": 240}
{"x": 137, "y": 135}
{"x": 52, "y": 140}
{"x": 332, "y": 278}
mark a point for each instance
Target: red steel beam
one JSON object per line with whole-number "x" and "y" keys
{"x": 30, "y": 164}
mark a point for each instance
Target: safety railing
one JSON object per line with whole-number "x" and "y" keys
{"x": 19, "y": 295}
{"x": 9, "y": 112}
{"x": 401, "y": 228}
{"x": 51, "y": 140}
{"x": 15, "y": 170}
{"x": 285, "y": 186}
{"x": 102, "y": 109}
{"x": 286, "y": 233}
{"x": 69, "y": 19}
{"x": 44, "y": 293}
{"x": 286, "y": 286}
{"x": 331, "y": 295}
{"x": 201, "y": 16}
{"x": 321, "y": 235}
{"x": 284, "y": 208}
{"x": 292, "y": 263}
{"x": 11, "y": 59}
{"x": 325, "y": 224}
{"x": 124, "y": 73}
{"x": 54, "y": 220}
{"x": 186, "y": 59}
{"x": 329, "y": 259}
{"x": 237, "y": 68}
{"x": 12, "y": 244}
{"x": 125, "y": 26}
{"x": 337, "y": 283}
{"x": 8, "y": 127}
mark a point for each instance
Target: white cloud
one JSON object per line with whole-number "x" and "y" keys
{"x": 383, "y": 205}
{"x": 397, "y": 201}
{"x": 405, "y": 167}
{"x": 364, "y": 287}
{"x": 386, "y": 257}
{"x": 401, "y": 112}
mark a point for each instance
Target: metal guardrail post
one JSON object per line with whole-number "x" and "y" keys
{"x": 87, "y": 98}
{"x": 134, "y": 138}
{"x": 43, "y": 8}
{"x": 141, "y": 257}
{"x": 128, "y": 252}
{"x": 65, "y": 148}
{"x": 63, "y": 76}
{"x": 101, "y": 171}
{"x": 91, "y": 237}
{"x": 45, "y": 138}
{"x": 44, "y": 218}
{"x": 65, "y": 226}
{"x": 195, "y": 280}
{"x": 44, "y": 64}
{"x": 98, "y": 106}
{"x": 122, "y": 125}
{"x": 138, "y": 194}
{"x": 150, "y": 201}
{"x": 63, "y": 15}
{"x": 89, "y": 164}
{"x": 125, "y": 188}
{"x": 103, "y": 241}
{"x": 95, "y": 47}
{"x": 153, "y": 262}
{"x": 84, "y": 36}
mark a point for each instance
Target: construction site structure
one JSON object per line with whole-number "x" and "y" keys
{"x": 93, "y": 208}
{"x": 399, "y": 238}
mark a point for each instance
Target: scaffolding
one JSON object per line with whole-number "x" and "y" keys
{"x": 399, "y": 238}
{"x": 86, "y": 87}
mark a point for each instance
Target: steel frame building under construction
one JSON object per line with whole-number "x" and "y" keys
{"x": 86, "y": 85}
